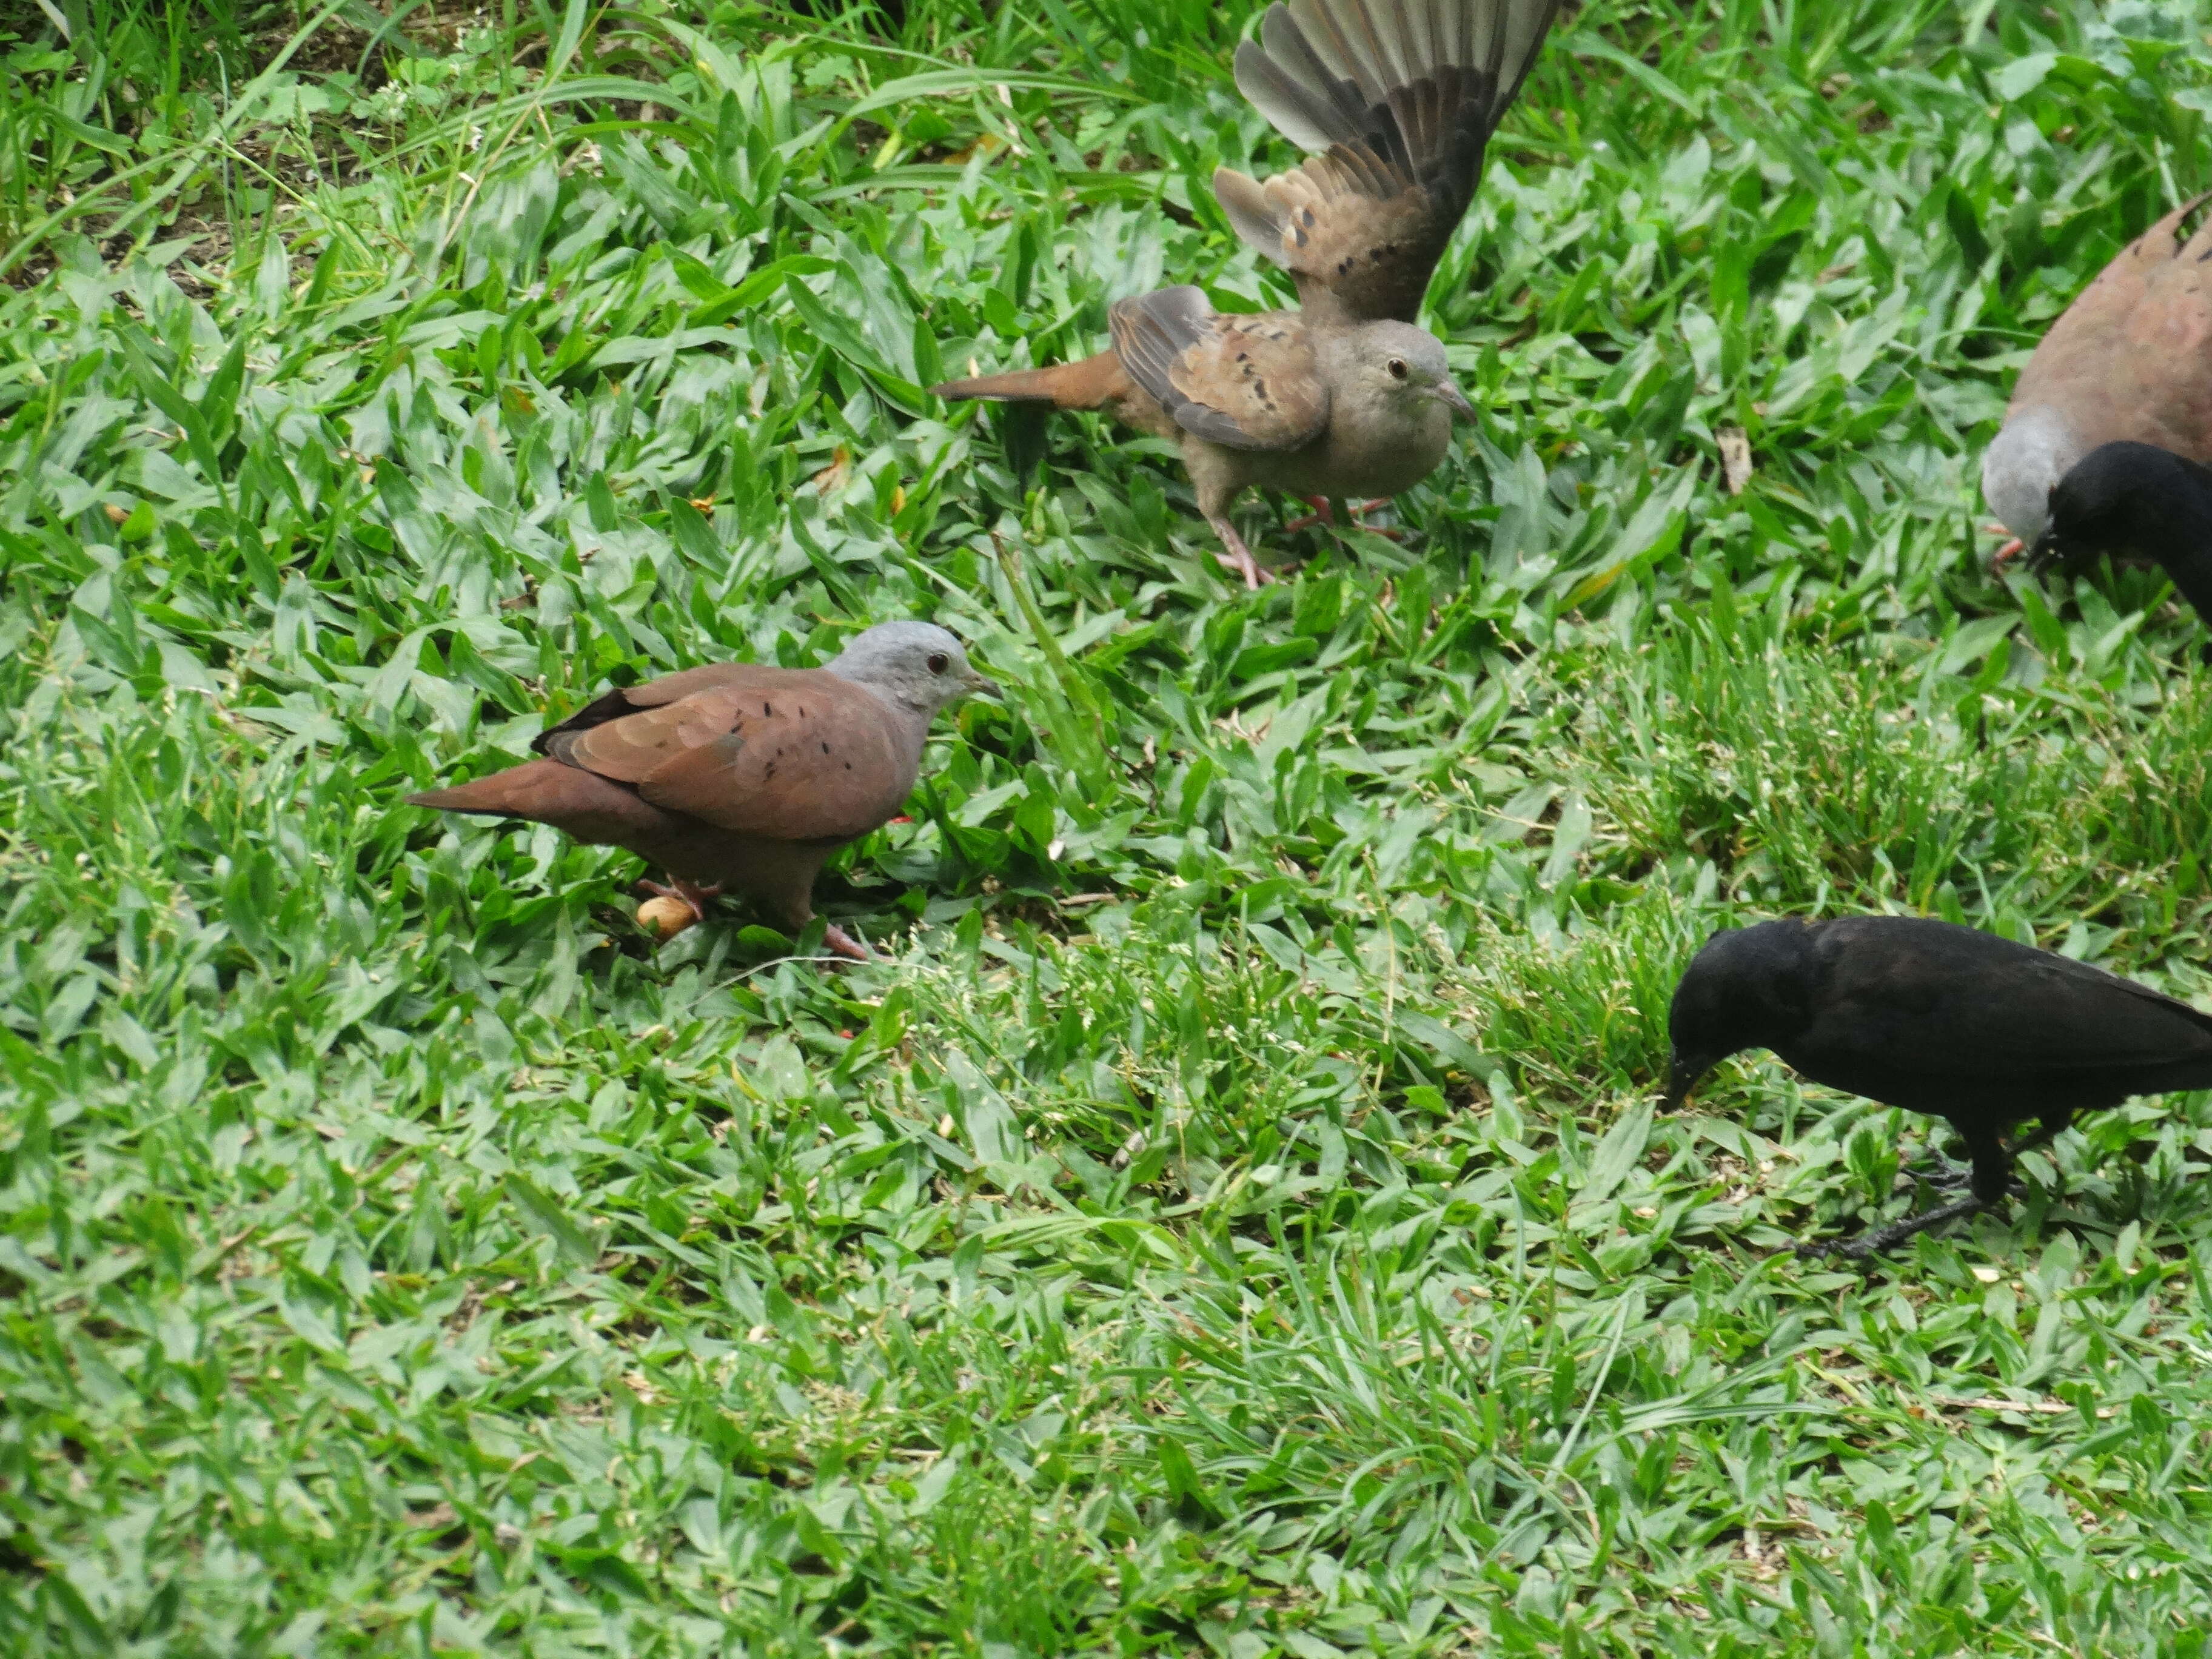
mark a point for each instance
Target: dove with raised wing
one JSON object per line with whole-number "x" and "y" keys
{"x": 1344, "y": 398}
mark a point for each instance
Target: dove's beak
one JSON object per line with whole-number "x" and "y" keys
{"x": 1448, "y": 394}
{"x": 989, "y": 688}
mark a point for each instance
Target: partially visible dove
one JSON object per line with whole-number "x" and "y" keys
{"x": 737, "y": 774}
{"x": 1344, "y": 398}
{"x": 2129, "y": 362}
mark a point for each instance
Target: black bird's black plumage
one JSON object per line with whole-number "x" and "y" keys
{"x": 1937, "y": 1018}
{"x": 2131, "y": 498}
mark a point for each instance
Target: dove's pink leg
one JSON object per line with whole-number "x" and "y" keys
{"x": 689, "y": 892}
{"x": 2005, "y": 555}
{"x": 1237, "y": 557}
{"x": 844, "y": 944}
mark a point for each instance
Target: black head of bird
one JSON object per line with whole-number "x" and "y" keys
{"x": 1749, "y": 987}
{"x": 2131, "y": 498}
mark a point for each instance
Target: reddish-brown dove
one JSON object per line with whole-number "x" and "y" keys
{"x": 1344, "y": 398}
{"x": 2130, "y": 361}
{"x": 740, "y": 775}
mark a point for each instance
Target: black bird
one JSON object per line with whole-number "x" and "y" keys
{"x": 2131, "y": 498}
{"x": 1936, "y": 1019}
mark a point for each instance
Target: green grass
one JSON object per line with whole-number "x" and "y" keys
{"x": 1233, "y": 1218}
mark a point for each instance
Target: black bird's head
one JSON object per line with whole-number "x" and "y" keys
{"x": 2123, "y": 498}
{"x": 1749, "y": 987}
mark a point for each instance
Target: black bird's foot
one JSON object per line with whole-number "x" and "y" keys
{"x": 1875, "y": 1240}
{"x": 1944, "y": 1177}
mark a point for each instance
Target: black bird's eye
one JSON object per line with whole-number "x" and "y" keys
{"x": 936, "y": 661}
{"x": 1397, "y": 368}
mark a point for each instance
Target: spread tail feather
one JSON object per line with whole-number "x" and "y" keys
{"x": 1091, "y": 383}
{"x": 1403, "y": 79}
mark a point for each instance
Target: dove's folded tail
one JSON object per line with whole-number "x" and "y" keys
{"x": 584, "y": 804}
{"x": 1094, "y": 383}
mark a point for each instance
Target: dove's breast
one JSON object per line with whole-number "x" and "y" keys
{"x": 1383, "y": 454}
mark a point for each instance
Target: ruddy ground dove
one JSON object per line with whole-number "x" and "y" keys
{"x": 2130, "y": 361}
{"x": 741, "y": 775}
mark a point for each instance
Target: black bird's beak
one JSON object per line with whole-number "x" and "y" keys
{"x": 2047, "y": 551}
{"x": 1683, "y": 1071}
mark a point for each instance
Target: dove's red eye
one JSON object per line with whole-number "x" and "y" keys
{"x": 936, "y": 661}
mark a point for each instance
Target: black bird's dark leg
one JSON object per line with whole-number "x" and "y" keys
{"x": 1992, "y": 1175}
{"x": 1947, "y": 1176}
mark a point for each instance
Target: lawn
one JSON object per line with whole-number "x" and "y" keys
{"x": 1231, "y": 1218}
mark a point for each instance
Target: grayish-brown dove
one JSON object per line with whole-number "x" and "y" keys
{"x": 2130, "y": 361}
{"x": 737, "y": 774}
{"x": 1344, "y": 398}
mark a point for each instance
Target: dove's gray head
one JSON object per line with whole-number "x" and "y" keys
{"x": 912, "y": 664}
{"x": 2023, "y": 465}
{"x": 1397, "y": 368}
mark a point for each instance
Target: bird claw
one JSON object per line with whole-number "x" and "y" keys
{"x": 1852, "y": 1249}
{"x": 1323, "y": 514}
{"x": 1943, "y": 1177}
{"x": 2013, "y": 548}
{"x": 1955, "y": 1179}
{"x": 1245, "y": 565}
{"x": 1875, "y": 1240}
{"x": 683, "y": 892}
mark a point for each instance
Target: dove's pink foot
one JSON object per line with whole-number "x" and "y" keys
{"x": 844, "y": 944}
{"x": 686, "y": 893}
{"x": 1236, "y": 556}
{"x": 2005, "y": 555}
{"x": 1323, "y": 514}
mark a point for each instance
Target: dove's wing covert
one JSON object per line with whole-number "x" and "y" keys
{"x": 796, "y": 755}
{"x": 1247, "y": 382}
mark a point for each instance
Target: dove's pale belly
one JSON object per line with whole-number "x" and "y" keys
{"x": 1374, "y": 458}
{"x": 1361, "y": 458}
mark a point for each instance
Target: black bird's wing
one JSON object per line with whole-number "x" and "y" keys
{"x": 1921, "y": 1012}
